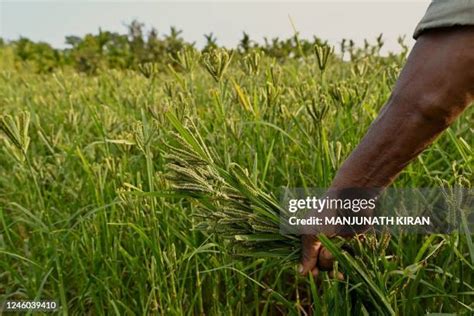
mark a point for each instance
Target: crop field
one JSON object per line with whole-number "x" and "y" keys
{"x": 151, "y": 189}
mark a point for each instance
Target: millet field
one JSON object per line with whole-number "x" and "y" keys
{"x": 135, "y": 183}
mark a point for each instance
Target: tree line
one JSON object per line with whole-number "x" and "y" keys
{"x": 137, "y": 46}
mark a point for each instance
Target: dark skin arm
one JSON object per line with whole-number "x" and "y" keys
{"x": 434, "y": 88}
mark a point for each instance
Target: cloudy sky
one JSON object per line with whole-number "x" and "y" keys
{"x": 51, "y": 21}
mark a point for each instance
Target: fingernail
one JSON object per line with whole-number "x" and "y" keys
{"x": 300, "y": 268}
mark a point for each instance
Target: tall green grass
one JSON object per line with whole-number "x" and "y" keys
{"x": 105, "y": 181}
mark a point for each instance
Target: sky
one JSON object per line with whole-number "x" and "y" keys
{"x": 52, "y": 21}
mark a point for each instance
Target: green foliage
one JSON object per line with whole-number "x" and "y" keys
{"x": 112, "y": 50}
{"x": 111, "y": 185}
{"x": 41, "y": 55}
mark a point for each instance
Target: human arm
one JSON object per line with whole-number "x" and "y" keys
{"x": 434, "y": 87}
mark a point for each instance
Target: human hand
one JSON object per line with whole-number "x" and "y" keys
{"x": 315, "y": 258}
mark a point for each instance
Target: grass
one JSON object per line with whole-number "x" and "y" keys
{"x": 111, "y": 185}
